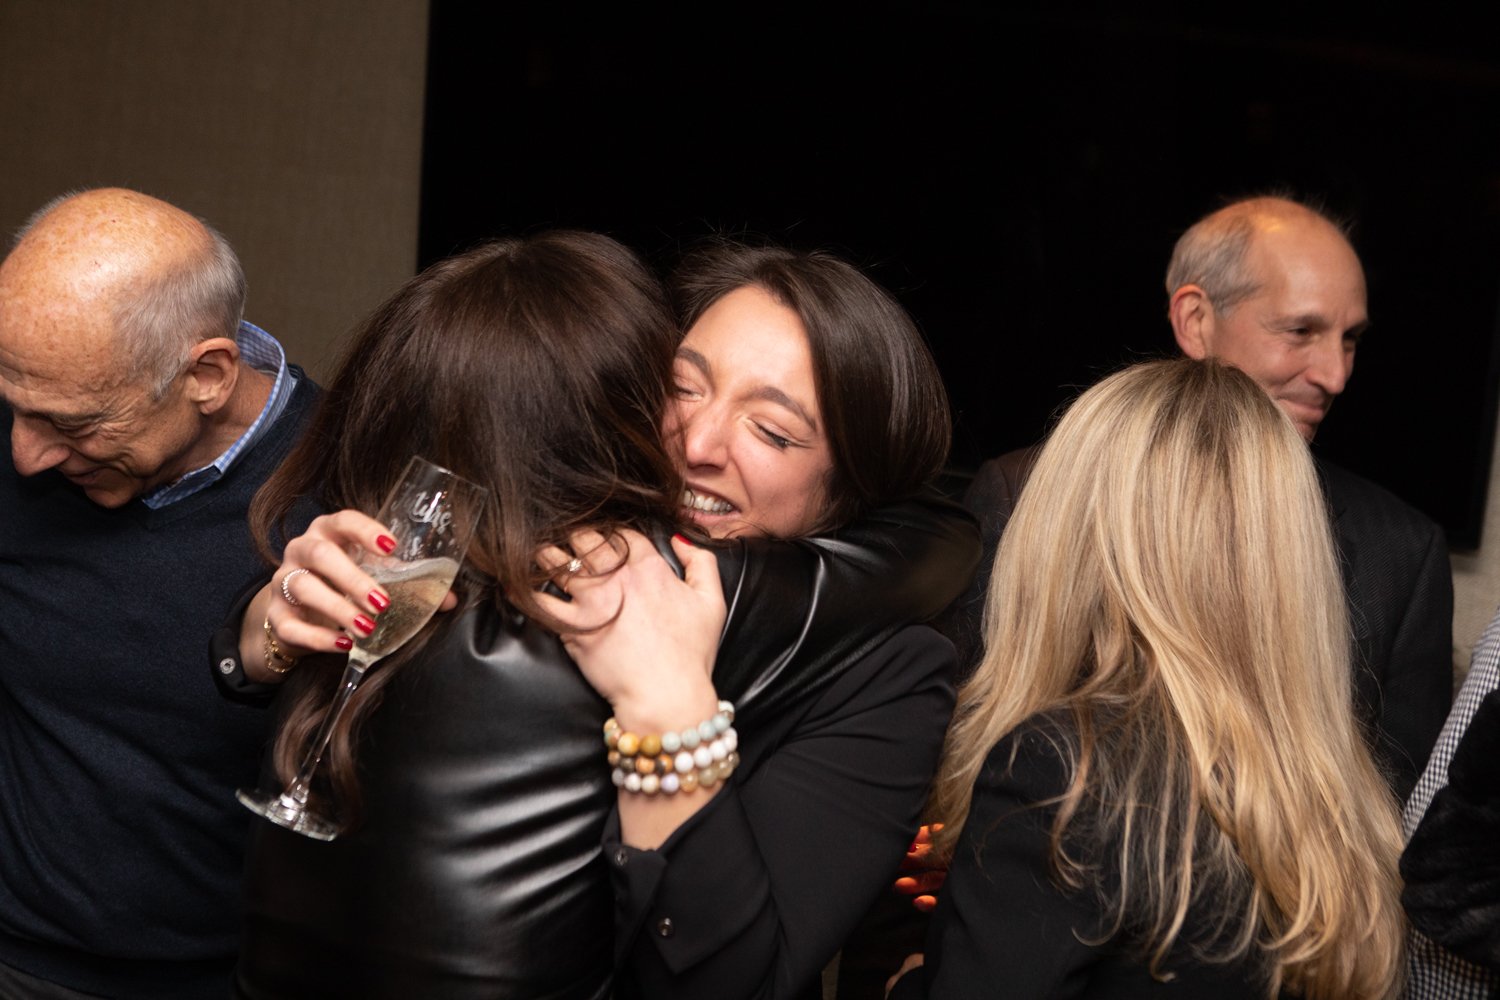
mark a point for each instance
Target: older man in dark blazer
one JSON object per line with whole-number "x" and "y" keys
{"x": 1274, "y": 288}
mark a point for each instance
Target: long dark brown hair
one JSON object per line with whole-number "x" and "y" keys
{"x": 879, "y": 391}
{"x": 536, "y": 367}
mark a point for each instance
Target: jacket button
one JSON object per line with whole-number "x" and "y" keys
{"x": 226, "y": 666}
{"x": 665, "y": 928}
{"x": 621, "y": 856}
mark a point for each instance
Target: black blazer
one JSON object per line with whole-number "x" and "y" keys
{"x": 1005, "y": 927}
{"x": 1400, "y": 590}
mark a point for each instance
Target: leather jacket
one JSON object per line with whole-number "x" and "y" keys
{"x": 477, "y": 870}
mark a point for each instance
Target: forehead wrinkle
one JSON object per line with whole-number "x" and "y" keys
{"x": 72, "y": 347}
{"x": 768, "y": 393}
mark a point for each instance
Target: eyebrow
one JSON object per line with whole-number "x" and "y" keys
{"x": 56, "y": 418}
{"x": 76, "y": 419}
{"x": 769, "y": 393}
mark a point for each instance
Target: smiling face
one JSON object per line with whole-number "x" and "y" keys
{"x": 75, "y": 407}
{"x": 755, "y": 455}
{"x": 1296, "y": 335}
{"x": 73, "y": 413}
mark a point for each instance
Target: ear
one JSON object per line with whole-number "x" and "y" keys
{"x": 1192, "y": 317}
{"x": 213, "y": 371}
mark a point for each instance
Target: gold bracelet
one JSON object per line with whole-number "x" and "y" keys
{"x": 274, "y": 655}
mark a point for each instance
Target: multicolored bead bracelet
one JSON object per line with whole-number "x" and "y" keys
{"x": 699, "y": 756}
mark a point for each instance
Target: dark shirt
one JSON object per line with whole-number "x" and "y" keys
{"x": 1006, "y": 927}
{"x": 120, "y": 838}
{"x": 753, "y": 895}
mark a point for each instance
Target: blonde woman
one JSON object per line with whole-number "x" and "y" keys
{"x": 1154, "y": 785}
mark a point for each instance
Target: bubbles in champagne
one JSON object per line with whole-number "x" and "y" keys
{"x": 416, "y": 589}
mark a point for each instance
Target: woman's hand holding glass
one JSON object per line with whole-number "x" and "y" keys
{"x": 319, "y": 574}
{"x": 421, "y": 533}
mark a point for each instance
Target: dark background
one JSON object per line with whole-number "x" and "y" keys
{"x": 1017, "y": 177}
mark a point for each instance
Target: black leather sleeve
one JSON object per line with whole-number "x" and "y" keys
{"x": 991, "y": 498}
{"x": 798, "y": 610}
{"x": 801, "y": 611}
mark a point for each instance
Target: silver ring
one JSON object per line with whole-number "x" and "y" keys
{"x": 286, "y": 589}
{"x": 574, "y": 565}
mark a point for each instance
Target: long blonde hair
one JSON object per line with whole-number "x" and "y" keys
{"x": 1167, "y": 587}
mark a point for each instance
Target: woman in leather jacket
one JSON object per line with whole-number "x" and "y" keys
{"x": 473, "y": 864}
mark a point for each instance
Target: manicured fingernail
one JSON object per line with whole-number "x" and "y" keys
{"x": 344, "y": 642}
{"x": 364, "y": 624}
{"x": 378, "y": 600}
{"x": 684, "y": 539}
{"x": 386, "y": 544}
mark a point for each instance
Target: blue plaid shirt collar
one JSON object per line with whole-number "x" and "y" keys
{"x": 261, "y": 352}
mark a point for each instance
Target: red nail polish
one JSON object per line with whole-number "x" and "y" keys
{"x": 364, "y": 624}
{"x": 386, "y": 544}
{"x": 378, "y": 600}
{"x": 684, "y": 539}
{"x": 344, "y": 642}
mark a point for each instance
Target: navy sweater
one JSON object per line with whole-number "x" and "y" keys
{"x": 121, "y": 842}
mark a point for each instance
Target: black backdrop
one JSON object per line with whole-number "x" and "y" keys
{"x": 1016, "y": 176}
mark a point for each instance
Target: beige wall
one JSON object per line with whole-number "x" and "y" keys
{"x": 1476, "y": 578}
{"x": 295, "y": 127}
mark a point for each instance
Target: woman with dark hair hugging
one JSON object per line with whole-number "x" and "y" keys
{"x": 474, "y": 770}
{"x": 1155, "y": 785}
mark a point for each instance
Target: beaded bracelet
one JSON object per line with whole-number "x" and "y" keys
{"x": 699, "y": 756}
{"x": 276, "y": 661}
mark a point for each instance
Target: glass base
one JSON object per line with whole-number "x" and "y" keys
{"x": 283, "y": 810}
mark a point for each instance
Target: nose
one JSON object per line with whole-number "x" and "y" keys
{"x": 1331, "y": 363}
{"x": 35, "y": 446}
{"x": 703, "y": 437}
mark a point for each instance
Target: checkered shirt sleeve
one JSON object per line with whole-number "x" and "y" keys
{"x": 1434, "y": 972}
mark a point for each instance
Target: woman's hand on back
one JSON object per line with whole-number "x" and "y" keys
{"x": 646, "y": 641}
{"x": 643, "y": 638}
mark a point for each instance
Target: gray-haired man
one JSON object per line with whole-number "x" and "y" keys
{"x": 141, "y": 415}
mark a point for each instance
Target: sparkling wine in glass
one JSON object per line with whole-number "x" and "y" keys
{"x": 431, "y": 514}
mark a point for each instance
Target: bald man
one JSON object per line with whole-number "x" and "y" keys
{"x": 140, "y": 416}
{"x": 1274, "y": 288}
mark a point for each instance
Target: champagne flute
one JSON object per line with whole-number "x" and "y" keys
{"x": 431, "y": 514}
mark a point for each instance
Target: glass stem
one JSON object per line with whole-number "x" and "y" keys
{"x": 301, "y": 787}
